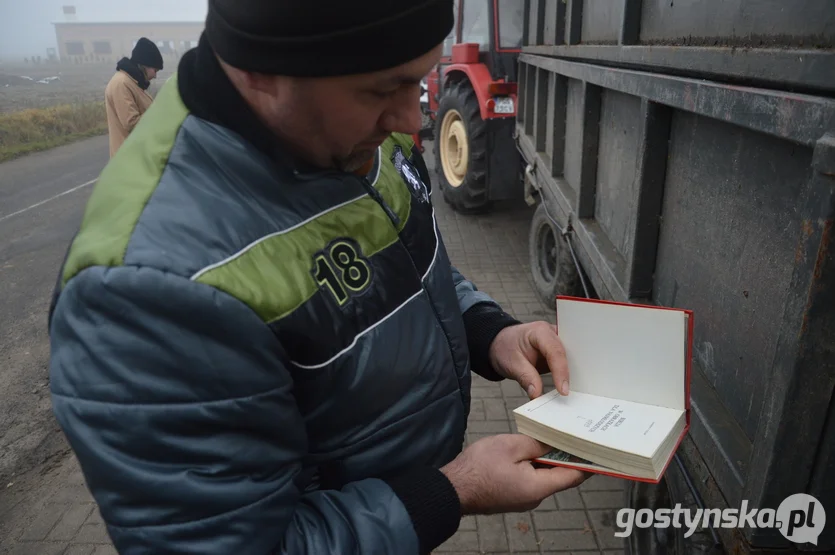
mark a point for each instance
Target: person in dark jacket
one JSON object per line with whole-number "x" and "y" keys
{"x": 259, "y": 344}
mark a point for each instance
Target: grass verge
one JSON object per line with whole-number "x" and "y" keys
{"x": 44, "y": 128}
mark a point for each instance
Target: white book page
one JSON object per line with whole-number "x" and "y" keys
{"x": 625, "y": 352}
{"x": 613, "y": 423}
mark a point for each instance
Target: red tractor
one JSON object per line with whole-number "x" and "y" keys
{"x": 472, "y": 101}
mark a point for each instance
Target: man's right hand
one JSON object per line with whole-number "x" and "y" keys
{"x": 495, "y": 475}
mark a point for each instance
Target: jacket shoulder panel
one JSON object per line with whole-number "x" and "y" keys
{"x": 125, "y": 186}
{"x": 219, "y": 198}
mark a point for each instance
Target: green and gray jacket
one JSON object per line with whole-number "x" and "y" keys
{"x": 249, "y": 357}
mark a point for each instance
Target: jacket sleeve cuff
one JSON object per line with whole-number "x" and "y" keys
{"x": 483, "y": 323}
{"x": 432, "y": 503}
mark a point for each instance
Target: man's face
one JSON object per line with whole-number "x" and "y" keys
{"x": 150, "y": 73}
{"x": 339, "y": 122}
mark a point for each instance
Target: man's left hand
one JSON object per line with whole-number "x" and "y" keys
{"x": 524, "y": 351}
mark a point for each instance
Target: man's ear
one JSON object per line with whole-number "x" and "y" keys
{"x": 259, "y": 81}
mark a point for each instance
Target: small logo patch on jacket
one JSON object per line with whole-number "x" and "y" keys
{"x": 410, "y": 175}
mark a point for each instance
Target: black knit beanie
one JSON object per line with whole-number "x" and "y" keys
{"x": 320, "y": 38}
{"x": 147, "y": 54}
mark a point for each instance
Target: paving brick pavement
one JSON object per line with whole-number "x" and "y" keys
{"x": 53, "y": 514}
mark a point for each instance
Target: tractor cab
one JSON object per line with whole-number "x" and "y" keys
{"x": 495, "y": 28}
{"x": 472, "y": 102}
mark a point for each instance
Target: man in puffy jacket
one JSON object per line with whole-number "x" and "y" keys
{"x": 259, "y": 344}
{"x": 126, "y": 96}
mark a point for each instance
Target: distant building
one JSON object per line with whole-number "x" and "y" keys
{"x": 98, "y": 42}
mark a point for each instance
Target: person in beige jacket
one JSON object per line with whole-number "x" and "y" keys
{"x": 126, "y": 96}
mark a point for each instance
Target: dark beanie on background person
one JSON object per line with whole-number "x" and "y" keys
{"x": 323, "y": 38}
{"x": 146, "y": 53}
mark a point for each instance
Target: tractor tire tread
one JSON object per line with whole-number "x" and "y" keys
{"x": 471, "y": 197}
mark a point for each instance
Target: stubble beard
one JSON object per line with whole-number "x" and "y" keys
{"x": 354, "y": 161}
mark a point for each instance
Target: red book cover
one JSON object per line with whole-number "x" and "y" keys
{"x": 560, "y": 457}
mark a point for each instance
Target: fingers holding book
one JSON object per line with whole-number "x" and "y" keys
{"x": 496, "y": 475}
{"x": 525, "y": 351}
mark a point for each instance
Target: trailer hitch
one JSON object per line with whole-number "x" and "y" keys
{"x": 530, "y": 185}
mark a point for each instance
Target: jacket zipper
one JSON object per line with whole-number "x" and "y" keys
{"x": 375, "y": 194}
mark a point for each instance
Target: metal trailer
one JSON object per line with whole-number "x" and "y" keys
{"x": 683, "y": 152}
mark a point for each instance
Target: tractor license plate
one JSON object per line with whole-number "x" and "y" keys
{"x": 504, "y": 105}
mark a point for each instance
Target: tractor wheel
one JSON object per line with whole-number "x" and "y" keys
{"x": 552, "y": 266}
{"x": 461, "y": 150}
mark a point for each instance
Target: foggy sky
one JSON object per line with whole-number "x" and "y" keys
{"x": 26, "y": 25}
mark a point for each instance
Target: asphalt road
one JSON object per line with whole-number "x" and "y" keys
{"x": 42, "y": 198}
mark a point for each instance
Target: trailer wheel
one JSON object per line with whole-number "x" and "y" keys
{"x": 461, "y": 150}
{"x": 672, "y": 489}
{"x": 552, "y": 266}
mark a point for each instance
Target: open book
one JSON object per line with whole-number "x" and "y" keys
{"x": 629, "y": 404}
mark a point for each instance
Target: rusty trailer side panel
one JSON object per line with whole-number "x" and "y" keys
{"x": 718, "y": 198}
